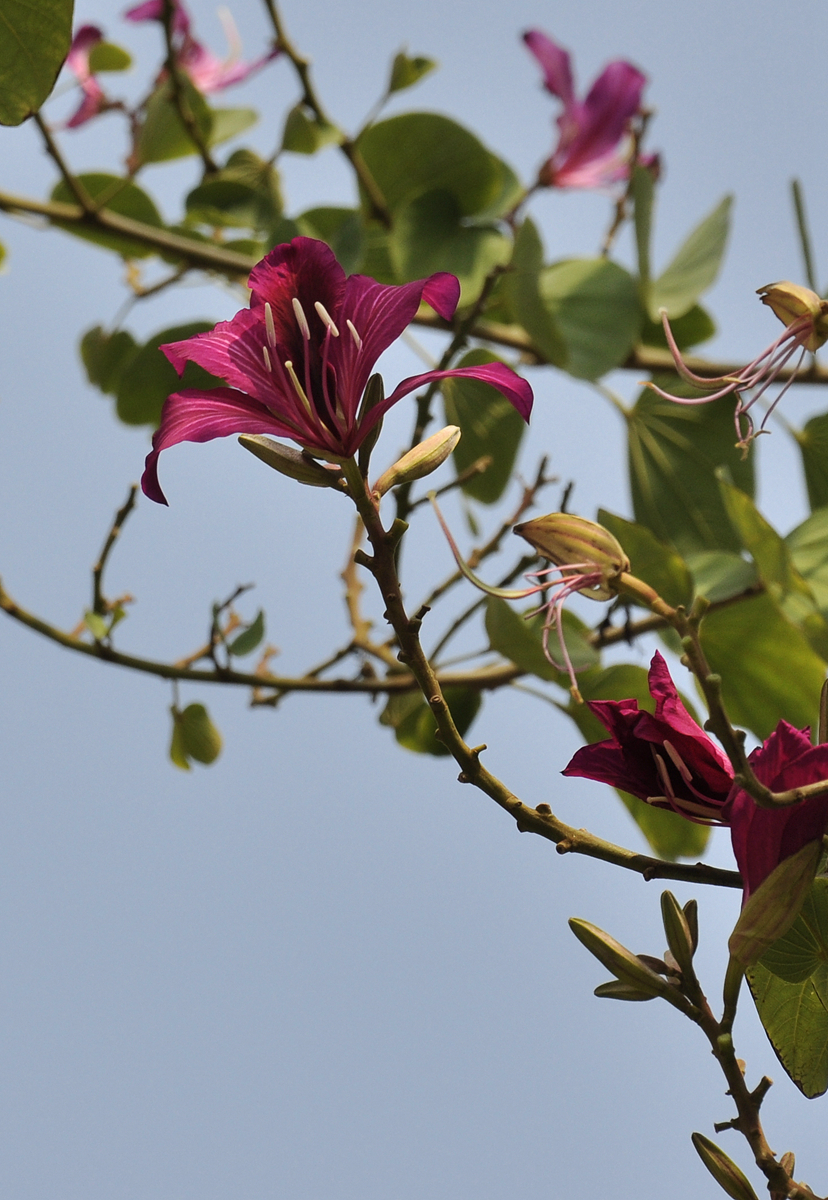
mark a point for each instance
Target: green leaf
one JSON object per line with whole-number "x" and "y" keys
{"x": 34, "y": 41}
{"x": 774, "y": 563}
{"x": 695, "y": 266}
{"x": 119, "y": 196}
{"x": 105, "y": 56}
{"x": 142, "y": 390}
{"x": 430, "y": 235}
{"x": 789, "y": 985}
{"x": 2, "y": 254}
{"x": 228, "y": 123}
{"x": 247, "y": 641}
{"x": 229, "y": 203}
{"x": 674, "y": 450}
{"x": 413, "y": 721}
{"x": 106, "y": 356}
{"x": 489, "y": 424}
{"x": 304, "y": 133}
{"x": 194, "y": 737}
{"x": 341, "y": 229}
{"x": 97, "y": 625}
{"x": 405, "y": 71}
{"x": 670, "y": 835}
{"x": 594, "y": 304}
{"x": 651, "y": 560}
{"x": 521, "y": 286}
{"x": 813, "y": 446}
{"x": 808, "y": 545}
{"x": 424, "y": 152}
{"x": 518, "y": 639}
{"x": 694, "y": 327}
{"x": 772, "y": 909}
{"x": 720, "y": 574}
{"x": 769, "y": 670}
{"x": 643, "y": 194}
{"x": 163, "y": 135}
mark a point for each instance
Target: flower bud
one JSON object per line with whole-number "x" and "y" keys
{"x": 790, "y": 302}
{"x": 723, "y": 1169}
{"x": 293, "y": 463}
{"x": 573, "y": 541}
{"x": 679, "y": 936}
{"x": 625, "y": 966}
{"x": 420, "y": 461}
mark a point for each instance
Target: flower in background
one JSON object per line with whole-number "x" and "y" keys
{"x": 93, "y": 100}
{"x": 805, "y": 317}
{"x": 298, "y": 360}
{"x": 591, "y": 131}
{"x": 207, "y": 72}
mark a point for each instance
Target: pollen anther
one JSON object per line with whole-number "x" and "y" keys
{"x": 266, "y": 357}
{"x": 270, "y": 328}
{"x": 301, "y": 319}
{"x": 354, "y": 334}
{"x": 325, "y": 317}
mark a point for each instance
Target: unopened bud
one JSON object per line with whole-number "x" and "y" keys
{"x": 679, "y": 936}
{"x": 625, "y": 966}
{"x": 293, "y": 463}
{"x": 573, "y": 541}
{"x": 420, "y": 461}
{"x": 723, "y": 1169}
{"x": 621, "y": 991}
{"x": 790, "y": 302}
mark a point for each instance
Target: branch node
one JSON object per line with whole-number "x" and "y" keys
{"x": 564, "y": 845}
{"x": 544, "y": 809}
{"x": 363, "y": 560}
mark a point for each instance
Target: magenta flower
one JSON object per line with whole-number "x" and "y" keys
{"x": 207, "y": 72}
{"x": 93, "y": 100}
{"x": 763, "y": 837}
{"x": 591, "y": 131}
{"x": 297, "y": 361}
{"x": 665, "y": 759}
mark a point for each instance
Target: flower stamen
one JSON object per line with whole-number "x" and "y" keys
{"x": 266, "y": 356}
{"x": 354, "y": 334}
{"x": 297, "y": 387}
{"x": 326, "y": 318}
{"x": 301, "y": 319}
{"x": 270, "y": 328}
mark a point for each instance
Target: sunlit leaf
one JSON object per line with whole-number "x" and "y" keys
{"x": 594, "y": 305}
{"x": 105, "y": 56}
{"x": 34, "y": 41}
{"x": 695, "y": 266}
{"x": 406, "y": 71}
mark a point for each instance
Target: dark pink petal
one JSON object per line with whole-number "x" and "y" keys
{"x": 77, "y": 59}
{"x": 555, "y": 64}
{"x": 94, "y": 101}
{"x": 304, "y": 269}
{"x": 196, "y": 416}
{"x": 232, "y": 351}
{"x": 613, "y": 100}
{"x": 516, "y": 390}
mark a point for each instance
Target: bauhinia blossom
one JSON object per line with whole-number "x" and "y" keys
{"x": 297, "y": 362}
{"x": 589, "y": 152}
{"x": 207, "y": 72}
{"x": 668, "y": 761}
{"x": 805, "y": 317}
{"x": 93, "y": 99}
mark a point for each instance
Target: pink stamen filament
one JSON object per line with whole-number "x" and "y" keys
{"x": 699, "y": 813}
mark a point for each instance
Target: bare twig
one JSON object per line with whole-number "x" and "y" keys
{"x": 179, "y": 99}
{"x": 99, "y": 604}
{"x": 69, "y": 178}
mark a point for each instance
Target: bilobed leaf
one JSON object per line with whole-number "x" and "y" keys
{"x": 813, "y": 446}
{"x": 414, "y": 724}
{"x": 105, "y": 56}
{"x": 247, "y": 641}
{"x": 695, "y": 266}
{"x": 304, "y": 133}
{"x": 789, "y": 985}
{"x": 674, "y": 450}
{"x": 518, "y": 639}
{"x": 594, "y": 304}
{"x": 430, "y": 235}
{"x": 694, "y": 327}
{"x": 490, "y": 425}
{"x": 651, "y": 560}
{"x": 521, "y": 286}
{"x": 343, "y": 231}
{"x": 406, "y": 71}
{"x": 769, "y": 670}
{"x": 416, "y": 153}
{"x": 808, "y": 545}
{"x": 106, "y": 356}
{"x": 143, "y": 388}
{"x": 34, "y": 41}
{"x": 119, "y": 196}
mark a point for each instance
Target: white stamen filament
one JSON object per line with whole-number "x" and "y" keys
{"x": 270, "y": 328}
{"x": 301, "y": 319}
{"x": 266, "y": 357}
{"x": 325, "y": 317}
{"x": 300, "y": 391}
{"x": 354, "y": 334}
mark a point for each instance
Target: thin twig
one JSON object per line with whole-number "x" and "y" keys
{"x": 99, "y": 604}
{"x": 69, "y": 178}
{"x": 182, "y": 104}
{"x": 478, "y": 467}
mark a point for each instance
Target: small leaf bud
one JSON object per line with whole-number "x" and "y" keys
{"x": 574, "y": 541}
{"x": 420, "y": 461}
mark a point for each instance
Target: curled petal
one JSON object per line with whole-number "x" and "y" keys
{"x": 516, "y": 390}
{"x": 555, "y": 64}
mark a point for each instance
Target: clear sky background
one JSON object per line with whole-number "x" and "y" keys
{"x": 321, "y": 968}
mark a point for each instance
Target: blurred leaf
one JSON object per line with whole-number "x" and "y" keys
{"x": 142, "y": 390}
{"x": 247, "y": 641}
{"x": 522, "y": 287}
{"x": 413, "y": 721}
{"x": 813, "y": 446}
{"x": 341, "y": 229}
{"x": 230, "y": 203}
{"x": 695, "y": 266}
{"x": 97, "y": 625}
{"x": 489, "y": 425}
{"x": 119, "y": 196}
{"x": 405, "y": 71}
{"x": 769, "y": 670}
{"x": 669, "y": 835}
{"x": 674, "y": 450}
{"x": 163, "y": 136}
{"x": 34, "y": 43}
{"x": 424, "y": 152}
{"x": 107, "y": 57}
{"x": 194, "y": 737}
{"x": 304, "y": 134}
{"x": 518, "y": 639}
{"x": 106, "y": 356}
{"x": 694, "y": 327}
{"x": 228, "y": 123}
{"x": 808, "y": 544}
{"x": 650, "y": 560}
{"x": 789, "y": 985}
{"x": 2, "y": 254}
{"x": 720, "y": 574}
{"x": 594, "y": 305}
{"x": 178, "y": 754}
{"x": 430, "y": 235}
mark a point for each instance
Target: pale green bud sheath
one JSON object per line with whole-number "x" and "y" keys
{"x": 420, "y": 461}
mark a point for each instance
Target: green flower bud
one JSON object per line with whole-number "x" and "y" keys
{"x": 296, "y": 464}
{"x": 728, "y": 1176}
{"x": 420, "y": 461}
{"x": 625, "y": 966}
{"x": 790, "y": 302}
{"x": 677, "y": 929}
{"x": 573, "y": 541}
